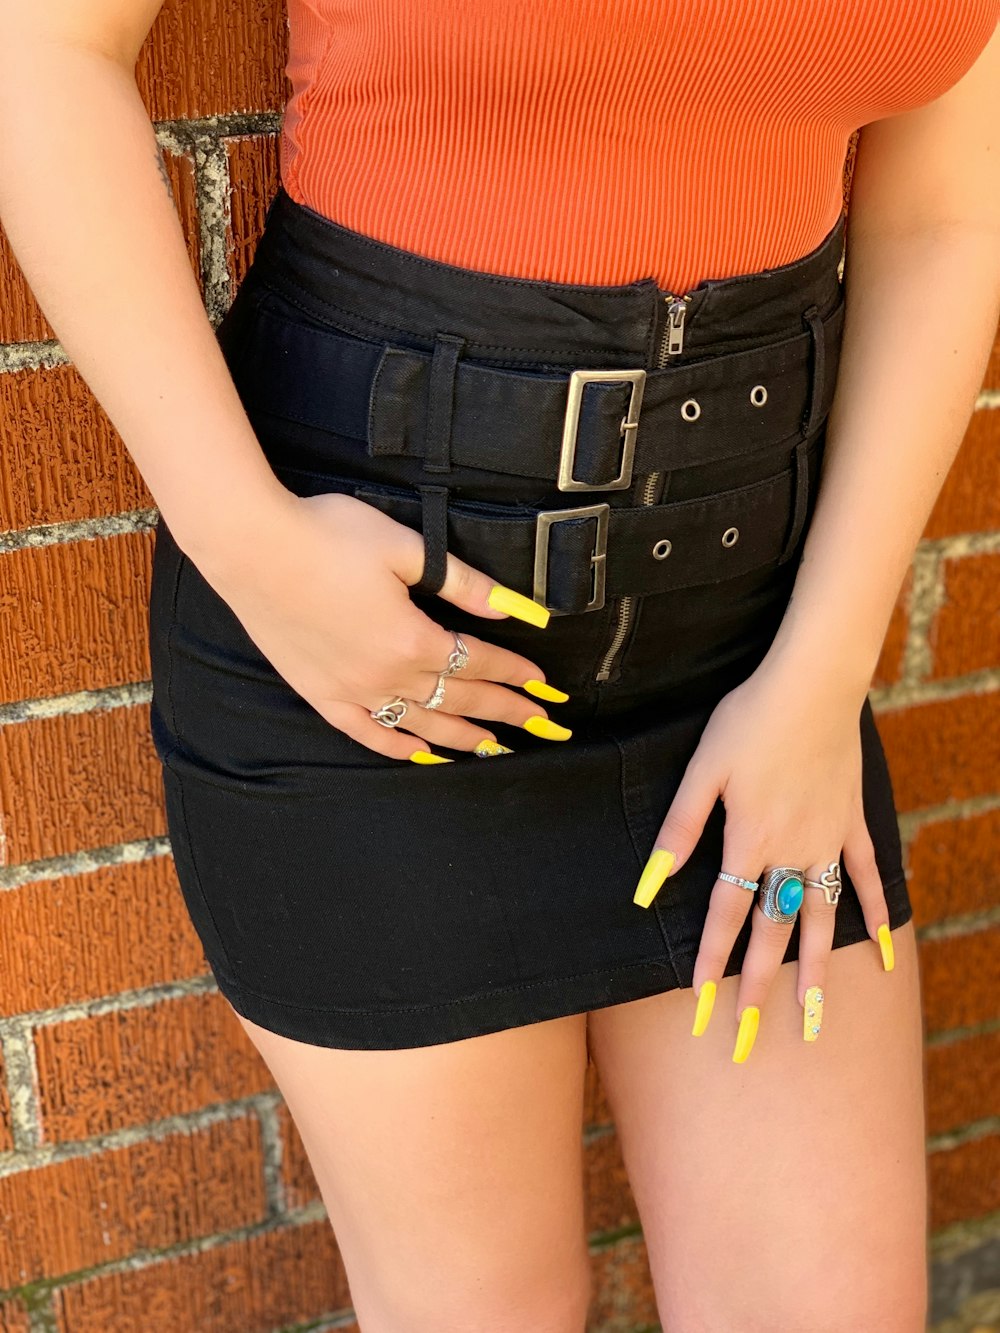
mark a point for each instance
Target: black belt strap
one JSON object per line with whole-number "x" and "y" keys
{"x": 511, "y": 421}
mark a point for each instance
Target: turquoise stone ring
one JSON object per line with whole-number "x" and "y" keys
{"x": 781, "y": 892}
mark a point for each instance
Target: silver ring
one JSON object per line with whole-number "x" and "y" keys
{"x": 458, "y": 657}
{"x": 750, "y": 884}
{"x": 437, "y": 698}
{"x": 778, "y": 880}
{"x": 829, "y": 882}
{"x": 391, "y": 713}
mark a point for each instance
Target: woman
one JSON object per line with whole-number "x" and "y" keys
{"x": 527, "y": 397}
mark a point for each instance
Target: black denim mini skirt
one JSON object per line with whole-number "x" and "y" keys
{"x": 645, "y": 463}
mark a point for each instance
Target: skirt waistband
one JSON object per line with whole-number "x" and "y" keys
{"x": 373, "y": 289}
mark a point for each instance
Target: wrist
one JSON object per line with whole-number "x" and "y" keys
{"x": 225, "y": 535}
{"x": 819, "y": 666}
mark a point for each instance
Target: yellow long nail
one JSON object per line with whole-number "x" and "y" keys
{"x": 543, "y": 690}
{"x": 425, "y": 757}
{"x": 502, "y": 598}
{"x": 706, "y": 999}
{"x": 885, "y": 944}
{"x": 654, "y": 872}
{"x": 544, "y": 726}
{"x": 487, "y": 747}
{"x": 749, "y": 1022}
{"x": 812, "y": 1013}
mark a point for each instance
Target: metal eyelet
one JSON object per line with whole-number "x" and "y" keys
{"x": 730, "y": 536}
{"x": 690, "y": 415}
{"x": 662, "y": 548}
{"x": 758, "y": 395}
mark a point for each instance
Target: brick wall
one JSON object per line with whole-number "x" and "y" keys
{"x": 149, "y": 1174}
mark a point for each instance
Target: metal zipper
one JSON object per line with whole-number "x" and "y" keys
{"x": 671, "y": 346}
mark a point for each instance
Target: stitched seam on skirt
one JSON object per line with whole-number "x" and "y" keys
{"x": 367, "y": 321}
{"x": 443, "y": 1004}
{"x": 640, "y": 860}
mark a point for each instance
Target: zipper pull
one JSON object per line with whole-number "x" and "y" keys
{"x": 676, "y": 310}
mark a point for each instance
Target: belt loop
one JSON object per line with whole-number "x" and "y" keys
{"x": 801, "y": 486}
{"x": 816, "y": 380}
{"x": 434, "y": 525}
{"x": 440, "y": 402}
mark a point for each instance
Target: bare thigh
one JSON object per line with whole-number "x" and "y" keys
{"x": 786, "y": 1194}
{"x": 452, "y": 1175}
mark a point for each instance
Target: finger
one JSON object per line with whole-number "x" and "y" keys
{"x": 860, "y": 863}
{"x": 440, "y": 728}
{"x": 682, "y": 826}
{"x": 354, "y": 721}
{"x": 489, "y": 661}
{"x": 768, "y": 942}
{"x": 816, "y": 927}
{"x": 728, "y": 905}
{"x": 479, "y": 698}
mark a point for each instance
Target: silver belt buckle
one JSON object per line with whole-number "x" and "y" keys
{"x": 544, "y": 521}
{"x": 630, "y": 424}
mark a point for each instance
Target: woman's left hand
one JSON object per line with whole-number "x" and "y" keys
{"x": 785, "y": 757}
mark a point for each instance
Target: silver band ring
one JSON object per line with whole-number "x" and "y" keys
{"x": 781, "y": 893}
{"x": 437, "y": 698}
{"x": 458, "y": 657}
{"x": 829, "y": 882}
{"x": 391, "y": 713}
{"x": 751, "y": 884}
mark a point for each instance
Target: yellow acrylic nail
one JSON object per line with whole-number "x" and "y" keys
{"x": 487, "y": 747}
{"x": 544, "y": 726}
{"x": 654, "y": 872}
{"x": 749, "y": 1022}
{"x": 502, "y": 598}
{"x": 425, "y": 757}
{"x": 706, "y": 999}
{"x": 812, "y": 1013}
{"x": 542, "y": 690}
{"x": 885, "y": 944}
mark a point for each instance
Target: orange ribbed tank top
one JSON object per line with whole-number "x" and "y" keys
{"x": 603, "y": 141}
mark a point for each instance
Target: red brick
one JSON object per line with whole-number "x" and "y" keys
{"x": 79, "y": 780}
{"x": 14, "y": 1318}
{"x": 21, "y": 319}
{"x": 965, "y": 635}
{"x": 943, "y": 751}
{"x": 959, "y": 976}
{"x": 140, "y": 1065}
{"x": 119, "y": 928}
{"x": 608, "y": 1195}
{"x": 63, "y": 459}
{"x": 623, "y": 1297}
{"x": 297, "y": 1175}
{"x": 890, "y": 662}
{"x": 92, "y": 1210}
{"x": 73, "y": 616}
{"x": 970, "y": 498}
{"x": 963, "y": 1082}
{"x": 245, "y": 1286}
{"x": 205, "y": 58}
{"x": 965, "y": 1181}
{"x": 953, "y": 867}
{"x": 253, "y": 172}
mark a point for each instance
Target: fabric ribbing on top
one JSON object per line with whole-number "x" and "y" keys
{"x": 603, "y": 141}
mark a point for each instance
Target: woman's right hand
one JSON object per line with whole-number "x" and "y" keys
{"x": 325, "y": 598}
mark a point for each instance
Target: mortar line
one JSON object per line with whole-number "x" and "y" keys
{"x": 101, "y": 700}
{"x": 76, "y": 530}
{"x": 83, "y": 862}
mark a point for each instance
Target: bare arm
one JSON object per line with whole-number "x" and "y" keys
{"x": 923, "y": 298}
{"x": 85, "y": 203}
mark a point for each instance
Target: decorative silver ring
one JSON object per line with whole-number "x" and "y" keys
{"x": 458, "y": 657}
{"x": 391, "y": 713}
{"x": 829, "y": 882}
{"x": 751, "y": 884}
{"x": 437, "y": 698}
{"x": 781, "y": 893}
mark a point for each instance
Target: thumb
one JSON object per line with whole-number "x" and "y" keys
{"x": 682, "y": 826}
